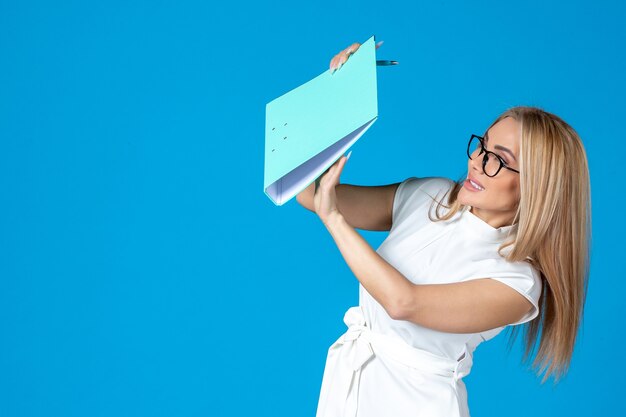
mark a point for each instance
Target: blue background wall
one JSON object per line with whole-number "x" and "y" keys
{"x": 143, "y": 271}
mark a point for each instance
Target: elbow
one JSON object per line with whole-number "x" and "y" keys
{"x": 403, "y": 307}
{"x": 395, "y": 313}
{"x": 299, "y": 200}
{"x": 303, "y": 203}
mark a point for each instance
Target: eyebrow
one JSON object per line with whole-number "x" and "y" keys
{"x": 502, "y": 148}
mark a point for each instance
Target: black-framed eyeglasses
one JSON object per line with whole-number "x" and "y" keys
{"x": 492, "y": 162}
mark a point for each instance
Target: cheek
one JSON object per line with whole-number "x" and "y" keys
{"x": 512, "y": 191}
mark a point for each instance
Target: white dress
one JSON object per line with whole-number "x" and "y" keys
{"x": 396, "y": 368}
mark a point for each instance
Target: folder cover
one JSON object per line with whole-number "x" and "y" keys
{"x": 310, "y": 127}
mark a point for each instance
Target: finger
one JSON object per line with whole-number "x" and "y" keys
{"x": 338, "y": 168}
{"x": 329, "y": 173}
{"x": 339, "y": 60}
{"x": 326, "y": 173}
{"x": 342, "y": 163}
{"x": 379, "y": 44}
{"x": 342, "y": 59}
{"x": 333, "y": 62}
{"x": 342, "y": 56}
{"x": 352, "y": 48}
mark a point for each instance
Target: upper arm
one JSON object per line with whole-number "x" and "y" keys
{"x": 464, "y": 307}
{"x": 366, "y": 207}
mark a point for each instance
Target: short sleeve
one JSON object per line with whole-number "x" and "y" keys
{"x": 523, "y": 278}
{"x": 400, "y": 200}
{"x": 414, "y": 194}
{"x": 530, "y": 287}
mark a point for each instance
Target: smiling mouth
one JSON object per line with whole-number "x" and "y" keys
{"x": 474, "y": 185}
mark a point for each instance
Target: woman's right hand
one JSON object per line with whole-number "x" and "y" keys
{"x": 338, "y": 60}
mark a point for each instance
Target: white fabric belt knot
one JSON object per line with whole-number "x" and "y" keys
{"x": 346, "y": 357}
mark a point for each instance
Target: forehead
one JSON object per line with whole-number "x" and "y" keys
{"x": 505, "y": 133}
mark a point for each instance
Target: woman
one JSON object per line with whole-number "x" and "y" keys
{"x": 506, "y": 245}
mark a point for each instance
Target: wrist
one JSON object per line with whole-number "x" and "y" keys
{"x": 333, "y": 219}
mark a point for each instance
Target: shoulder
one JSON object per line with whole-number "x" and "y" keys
{"x": 431, "y": 186}
{"x": 526, "y": 280}
{"x": 415, "y": 193}
{"x": 519, "y": 275}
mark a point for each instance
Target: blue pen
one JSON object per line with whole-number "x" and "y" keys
{"x": 384, "y": 63}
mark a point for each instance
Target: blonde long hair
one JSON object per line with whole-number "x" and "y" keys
{"x": 553, "y": 232}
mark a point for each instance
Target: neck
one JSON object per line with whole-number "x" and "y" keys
{"x": 493, "y": 219}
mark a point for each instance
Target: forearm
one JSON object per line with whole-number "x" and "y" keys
{"x": 381, "y": 280}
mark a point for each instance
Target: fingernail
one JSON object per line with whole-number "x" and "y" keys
{"x": 380, "y": 43}
{"x": 348, "y": 156}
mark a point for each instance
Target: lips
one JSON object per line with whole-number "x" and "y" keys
{"x": 470, "y": 178}
{"x": 474, "y": 180}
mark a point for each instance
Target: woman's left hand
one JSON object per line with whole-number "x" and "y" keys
{"x": 325, "y": 199}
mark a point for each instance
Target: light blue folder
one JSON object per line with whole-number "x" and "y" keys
{"x": 310, "y": 127}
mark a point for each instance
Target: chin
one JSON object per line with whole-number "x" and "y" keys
{"x": 462, "y": 198}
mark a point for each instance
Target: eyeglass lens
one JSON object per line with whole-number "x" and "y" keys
{"x": 475, "y": 150}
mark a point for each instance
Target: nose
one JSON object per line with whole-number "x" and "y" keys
{"x": 476, "y": 164}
